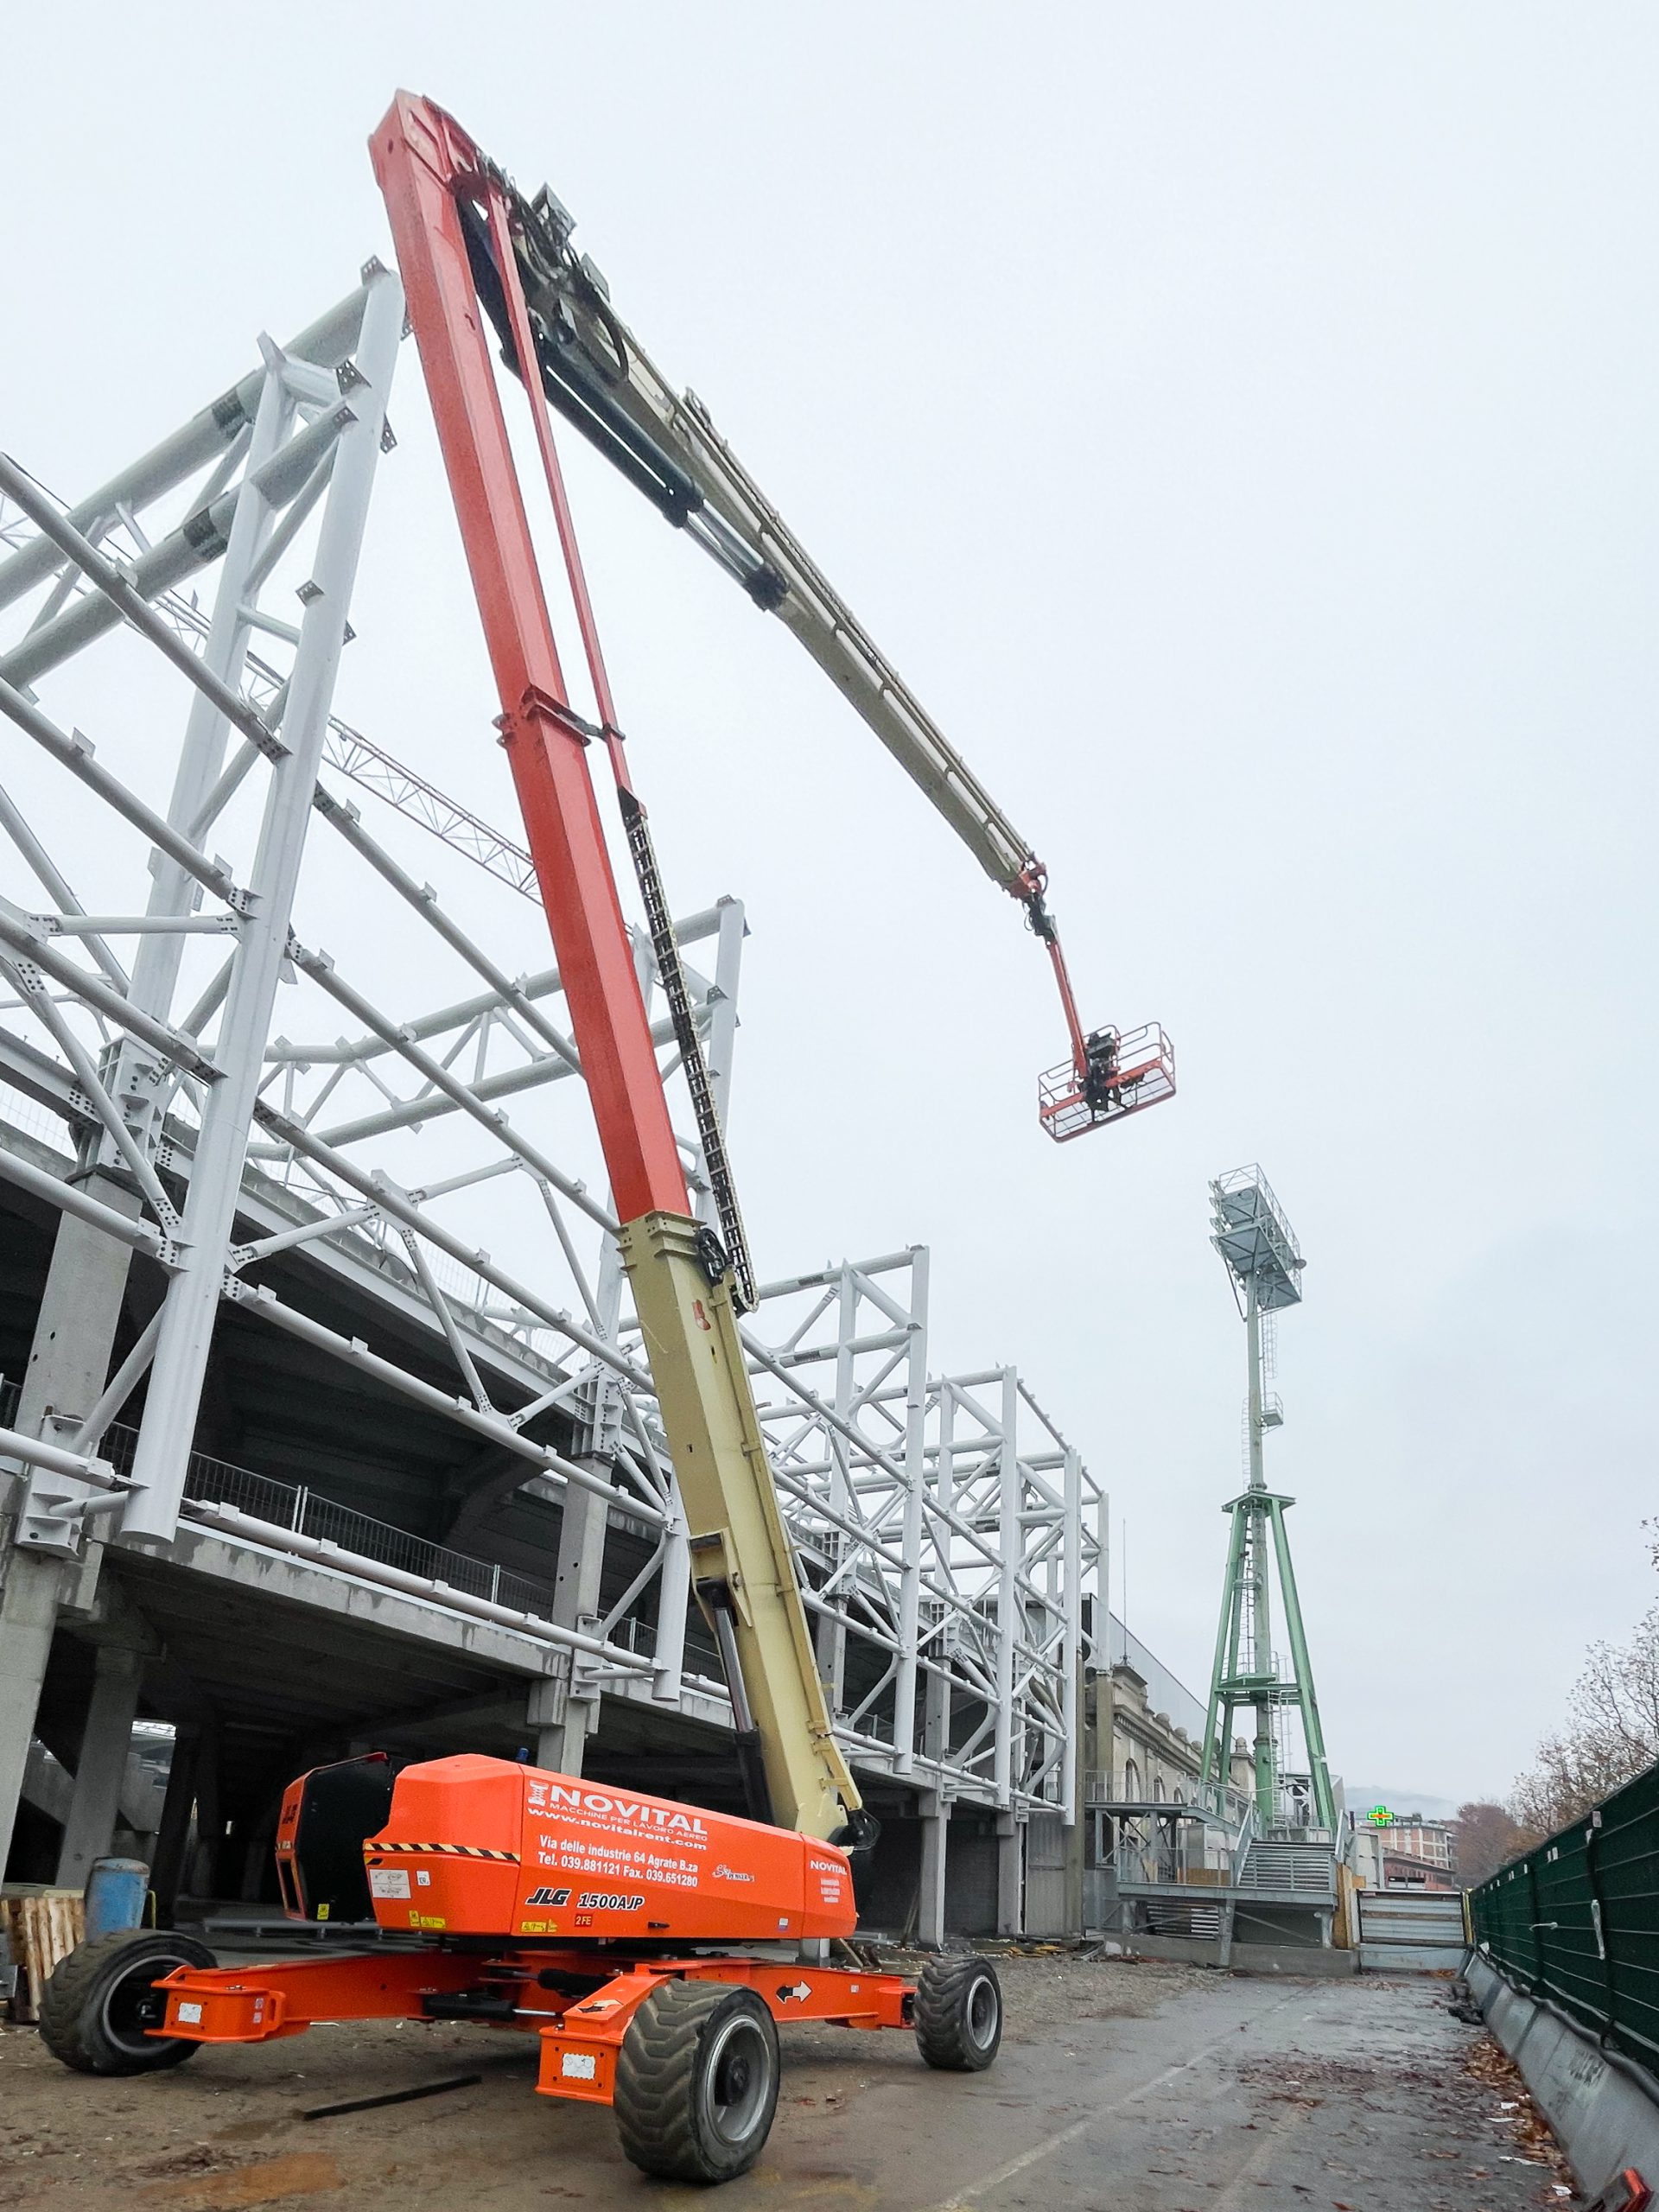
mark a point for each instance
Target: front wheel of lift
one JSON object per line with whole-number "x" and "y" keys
{"x": 101, "y": 2000}
{"x": 958, "y": 2014}
{"x": 696, "y": 2081}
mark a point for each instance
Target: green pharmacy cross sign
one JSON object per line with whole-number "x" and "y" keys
{"x": 1380, "y": 1817}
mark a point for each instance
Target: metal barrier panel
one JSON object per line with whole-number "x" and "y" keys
{"x": 1577, "y": 1920}
{"x": 1045, "y": 1913}
{"x": 1406, "y": 1931}
{"x": 1293, "y": 1869}
{"x": 1101, "y": 1908}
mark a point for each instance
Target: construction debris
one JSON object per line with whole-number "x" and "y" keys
{"x": 39, "y": 1925}
{"x": 391, "y": 2097}
{"x": 1529, "y": 2133}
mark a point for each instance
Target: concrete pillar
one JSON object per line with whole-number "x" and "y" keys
{"x": 936, "y": 1823}
{"x": 102, "y": 1767}
{"x": 68, "y": 1365}
{"x": 562, "y": 1718}
{"x": 1010, "y": 1875}
{"x": 29, "y": 1614}
{"x": 201, "y": 1870}
{"x": 1075, "y": 1841}
{"x": 74, "y": 1333}
{"x": 546, "y": 1703}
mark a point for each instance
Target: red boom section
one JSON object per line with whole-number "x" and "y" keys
{"x": 423, "y": 161}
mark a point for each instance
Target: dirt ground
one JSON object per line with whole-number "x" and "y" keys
{"x": 1143, "y": 2086}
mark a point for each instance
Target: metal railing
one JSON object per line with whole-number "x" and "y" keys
{"x": 302, "y": 1512}
{"x": 1218, "y": 1800}
{"x": 1201, "y": 1855}
{"x": 1576, "y": 1921}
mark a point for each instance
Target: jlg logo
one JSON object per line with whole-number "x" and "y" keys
{"x": 548, "y": 1896}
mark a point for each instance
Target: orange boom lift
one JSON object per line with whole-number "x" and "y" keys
{"x": 600, "y": 1920}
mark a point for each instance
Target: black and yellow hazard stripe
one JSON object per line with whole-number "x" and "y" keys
{"x": 444, "y": 1851}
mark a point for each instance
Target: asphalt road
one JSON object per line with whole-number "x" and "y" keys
{"x": 1139, "y": 2088}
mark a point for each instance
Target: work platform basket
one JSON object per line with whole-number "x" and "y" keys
{"x": 1124, "y": 1075}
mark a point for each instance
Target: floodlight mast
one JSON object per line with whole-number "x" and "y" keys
{"x": 1264, "y": 1266}
{"x": 557, "y": 311}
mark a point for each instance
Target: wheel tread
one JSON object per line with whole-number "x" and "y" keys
{"x": 655, "y": 2074}
{"x": 940, "y": 2013}
{"x": 70, "y": 2002}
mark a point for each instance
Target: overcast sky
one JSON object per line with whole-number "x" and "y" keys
{"x": 1238, "y": 423}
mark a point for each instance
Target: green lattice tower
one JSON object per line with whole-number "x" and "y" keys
{"x": 1264, "y": 1266}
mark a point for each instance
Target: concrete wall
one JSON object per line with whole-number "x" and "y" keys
{"x": 1247, "y": 1958}
{"x": 1604, "y": 2111}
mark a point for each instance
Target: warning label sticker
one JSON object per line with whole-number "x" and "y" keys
{"x": 388, "y": 1881}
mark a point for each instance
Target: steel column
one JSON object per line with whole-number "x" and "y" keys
{"x": 67, "y": 1363}
{"x": 192, "y": 1300}
{"x": 1324, "y": 1798}
{"x": 1007, "y": 1535}
{"x": 1072, "y": 1601}
{"x": 915, "y": 1468}
{"x": 1225, "y": 1662}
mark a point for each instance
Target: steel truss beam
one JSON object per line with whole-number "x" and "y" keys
{"x": 945, "y": 1530}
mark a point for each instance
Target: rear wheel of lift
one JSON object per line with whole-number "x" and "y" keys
{"x": 696, "y": 2081}
{"x": 101, "y": 2000}
{"x": 959, "y": 2014}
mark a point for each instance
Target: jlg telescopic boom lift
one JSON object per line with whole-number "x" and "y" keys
{"x": 603, "y": 1921}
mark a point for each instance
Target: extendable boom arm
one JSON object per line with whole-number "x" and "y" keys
{"x": 595, "y": 372}
{"x": 469, "y": 248}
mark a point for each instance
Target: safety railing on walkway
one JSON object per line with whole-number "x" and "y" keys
{"x": 301, "y": 1511}
{"x": 1577, "y": 1920}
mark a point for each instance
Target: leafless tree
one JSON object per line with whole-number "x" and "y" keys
{"x": 1612, "y": 1733}
{"x": 1488, "y": 1838}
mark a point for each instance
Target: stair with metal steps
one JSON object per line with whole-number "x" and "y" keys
{"x": 1294, "y": 1870}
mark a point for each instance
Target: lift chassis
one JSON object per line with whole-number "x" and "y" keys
{"x": 581, "y": 2002}
{"x": 653, "y": 1946}
{"x": 684, "y": 2048}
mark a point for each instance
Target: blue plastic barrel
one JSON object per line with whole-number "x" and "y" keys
{"x": 116, "y": 1891}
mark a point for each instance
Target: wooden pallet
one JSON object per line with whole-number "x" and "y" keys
{"x": 39, "y": 1925}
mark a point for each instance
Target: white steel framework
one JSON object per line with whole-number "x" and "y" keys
{"x": 226, "y": 1092}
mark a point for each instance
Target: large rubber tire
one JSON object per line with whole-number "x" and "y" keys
{"x": 96, "y": 2006}
{"x": 959, "y": 2014}
{"x": 696, "y": 2081}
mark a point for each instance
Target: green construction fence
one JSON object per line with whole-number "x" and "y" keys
{"x": 1577, "y": 1920}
